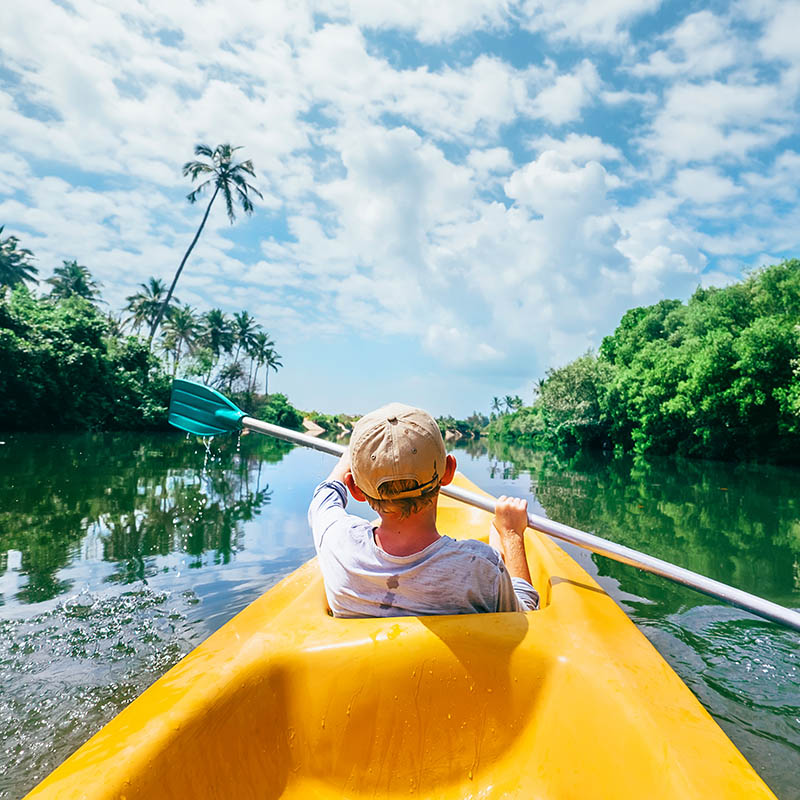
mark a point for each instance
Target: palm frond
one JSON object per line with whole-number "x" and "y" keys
{"x": 195, "y": 168}
{"x": 226, "y": 192}
{"x": 192, "y": 196}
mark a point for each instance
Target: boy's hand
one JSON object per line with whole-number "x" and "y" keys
{"x": 510, "y": 522}
{"x": 342, "y": 467}
{"x": 511, "y": 516}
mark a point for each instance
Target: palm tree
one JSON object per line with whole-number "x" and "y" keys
{"x": 228, "y": 374}
{"x": 496, "y": 405}
{"x": 226, "y": 177}
{"x": 271, "y": 361}
{"x": 262, "y": 345}
{"x": 245, "y": 329}
{"x": 15, "y": 263}
{"x": 143, "y": 306}
{"x": 73, "y": 280}
{"x": 181, "y": 327}
{"x": 115, "y": 325}
{"x": 217, "y": 335}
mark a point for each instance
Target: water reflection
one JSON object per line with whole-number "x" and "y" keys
{"x": 737, "y": 523}
{"x": 133, "y": 500}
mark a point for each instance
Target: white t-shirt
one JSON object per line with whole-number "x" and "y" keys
{"x": 448, "y": 577}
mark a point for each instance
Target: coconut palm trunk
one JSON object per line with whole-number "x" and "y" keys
{"x": 165, "y": 304}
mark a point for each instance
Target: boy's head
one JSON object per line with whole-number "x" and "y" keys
{"x": 398, "y": 458}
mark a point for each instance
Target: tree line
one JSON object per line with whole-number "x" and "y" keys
{"x": 716, "y": 377}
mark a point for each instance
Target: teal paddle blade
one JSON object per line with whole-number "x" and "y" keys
{"x": 201, "y": 410}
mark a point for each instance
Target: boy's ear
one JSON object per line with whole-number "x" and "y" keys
{"x": 449, "y": 470}
{"x": 353, "y": 489}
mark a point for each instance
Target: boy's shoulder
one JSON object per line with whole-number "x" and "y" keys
{"x": 474, "y": 548}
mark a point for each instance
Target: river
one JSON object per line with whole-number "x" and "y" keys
{"x": 119, "y": 553}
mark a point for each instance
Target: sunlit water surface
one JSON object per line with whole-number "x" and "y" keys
{"x": 120, "y": 553}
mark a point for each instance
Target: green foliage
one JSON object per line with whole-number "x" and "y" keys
{"x": 59, "y": 368}
{"x": 718, "y": 377}
{"x": 277, "y": 410}
{"x": 471, "y": 427}
{"x": 333, "y": 423}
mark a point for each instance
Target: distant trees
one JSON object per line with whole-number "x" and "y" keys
{"x": 716, "y": 377}
{"x": 226, "y": 176}
{"x": 16, "y": 263}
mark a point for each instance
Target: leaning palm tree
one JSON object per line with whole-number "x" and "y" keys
{"x": 227, "y": 177}
{"x": 73, "y": 280}
{"x": 143, "y": 306}
{"x": 15, "y": 262}
{"x": 181, "y": 327}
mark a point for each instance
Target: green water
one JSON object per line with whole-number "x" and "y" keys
{"x": 119, "y": 553}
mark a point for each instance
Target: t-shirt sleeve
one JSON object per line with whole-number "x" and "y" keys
{"x": 515, "y": 594}
{"x": 327, "y": 508}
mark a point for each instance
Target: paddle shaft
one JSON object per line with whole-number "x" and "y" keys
{"x": 617, "y": 552}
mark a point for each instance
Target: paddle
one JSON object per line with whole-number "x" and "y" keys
{"x": 203, "y": 411}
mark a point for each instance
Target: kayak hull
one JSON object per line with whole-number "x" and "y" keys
{"x": 284, "y": 701}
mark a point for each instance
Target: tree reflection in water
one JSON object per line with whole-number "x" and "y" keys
{"x": 737, "y": 523}
{"x": 138, "y": 496}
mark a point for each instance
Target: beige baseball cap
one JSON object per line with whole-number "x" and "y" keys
{"x": 397, "y": 442}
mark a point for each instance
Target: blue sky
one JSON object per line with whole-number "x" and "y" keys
{"x": 457, "y": 195}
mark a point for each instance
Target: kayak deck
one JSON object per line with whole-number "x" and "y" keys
{"x": 285, "y": 701}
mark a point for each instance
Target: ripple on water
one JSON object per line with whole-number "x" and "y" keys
{"x": 76, "y": 665}
{"x": 746, "y": 672}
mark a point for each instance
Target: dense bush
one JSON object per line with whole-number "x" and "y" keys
{"x": 277, "y": 410}
{"x": 65, "y": 365}
{"x": 60, "y": 367}
{"x": 716, "y": 377}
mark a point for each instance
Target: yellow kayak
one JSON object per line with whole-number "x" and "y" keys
{"x": 571, "y": 701}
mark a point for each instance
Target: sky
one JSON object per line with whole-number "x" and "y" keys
{"x": 457, "y": 195}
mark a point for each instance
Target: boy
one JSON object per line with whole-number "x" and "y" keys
{"x": 403, "y": 566}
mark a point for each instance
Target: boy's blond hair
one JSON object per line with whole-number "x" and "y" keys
{"x": 402, "y": 506}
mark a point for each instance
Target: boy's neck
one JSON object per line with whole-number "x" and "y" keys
{"x": 405, "y": 536}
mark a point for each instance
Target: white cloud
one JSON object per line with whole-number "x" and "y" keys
{"x": 566, "y": 98}
{"x": 700, "y": 46}
{"x": 700, "y": 122}
{"x": 578, "y": 148}
{"x": 430, "y": 22}
{"x": 587, "y": 21}
{"x": 492, "y": 161}
{"x": 779, "y": 40}
{"x": 704, "y": 186}
{"x": 470, "y": 101}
